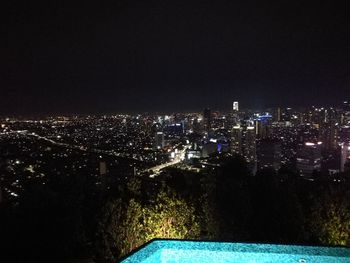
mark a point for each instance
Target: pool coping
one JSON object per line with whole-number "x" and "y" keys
{"x": 153, "y": 245}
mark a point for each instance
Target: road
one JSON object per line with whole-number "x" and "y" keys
{"x": 179, "y": 158}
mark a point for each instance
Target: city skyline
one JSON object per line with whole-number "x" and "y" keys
{"x": 237, "y": 167}
{"x": 169, "y": 56}
{"x": 224, "y": 109}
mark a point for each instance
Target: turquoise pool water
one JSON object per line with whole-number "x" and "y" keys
{"x": 176, "y": 251}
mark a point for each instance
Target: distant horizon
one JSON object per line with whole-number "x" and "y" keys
{"x": 165, "y": 112}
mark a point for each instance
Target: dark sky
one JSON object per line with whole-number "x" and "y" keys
{"x": 171, "y": 55}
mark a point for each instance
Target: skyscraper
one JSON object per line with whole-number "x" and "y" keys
{"x": 235, "y": 106}
{"x": 249, "y": 147}
{"x": 344, "y": 155}
{"x": 236, "y": 139}
{"x": 235, "y": 113}
{"x": 345, "y": 120}
{"x": 159, "y": 140}
{"x": 243, "y": 143}
{"x": 263, "y": 126}
{"x": 328, "y": 134}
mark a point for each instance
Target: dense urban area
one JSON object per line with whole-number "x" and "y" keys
{"x": 93, "y": 188}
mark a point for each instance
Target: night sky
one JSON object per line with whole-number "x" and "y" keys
{"x": 171, "y": 55}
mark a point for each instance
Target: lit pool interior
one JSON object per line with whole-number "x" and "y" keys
{"x": 174, "y": 251}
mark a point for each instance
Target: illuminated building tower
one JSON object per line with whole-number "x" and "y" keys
{"x": 345, "y": 120}
{"x": 309, "y": 158}
{"x": 235, "y": 112}
{"x": 207, "y": 119}
{"x": 236, "y": 139}
{"x": 243, "y": 143}
{"x": 344, "y": 155}
{"x": 269, "y": 154}
{"x": 159, "y": 140}
{"x": 249, "y": 147}
{"x": 329, "y": 130}
{"x": 235, "y": 106}
{"x": 263, "y": 126}
{"x": 328, "y": 136}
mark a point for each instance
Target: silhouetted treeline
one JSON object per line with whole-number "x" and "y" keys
{"x": 73, "y": 219}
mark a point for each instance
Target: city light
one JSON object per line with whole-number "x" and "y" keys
{"x": 309, "y": 144}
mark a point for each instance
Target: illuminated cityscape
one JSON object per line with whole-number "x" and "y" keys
{"x": 215, "y": 121}
{"x": 140, "y": 144}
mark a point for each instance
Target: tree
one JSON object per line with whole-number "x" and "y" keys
{"x": 126, "y": 225}
{"x": 119, "y": 229}
{"x": 209, "y": 215}
{"x": 330, "y": 222}
{"x": 170, "y": 217}
{"x": 226, "y": 201}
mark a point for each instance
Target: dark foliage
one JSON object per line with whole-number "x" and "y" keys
{"x": 68, "y": 218}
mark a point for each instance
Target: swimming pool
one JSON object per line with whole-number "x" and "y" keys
{"x": 178, "y": 251}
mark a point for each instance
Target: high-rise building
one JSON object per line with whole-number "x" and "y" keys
{"x": 329, "y": 136}
{"x": 159, "y": 140}
{"x": 309, "y": 158}
{"x": 249, "y": 147}
{"x": 243, "y": 143}
{"x": 269, "y": 154}
{"x": 263, "y": 127}
{"x": 236, "y": 139}
{"x": 344, "y": 155}
{"x": 196, "y": 127}
{"x": 235, "y": 106}
{"x": 235, "y": 113}
{"x": 345, "y": 120}
{"x": 330, "y": 129}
